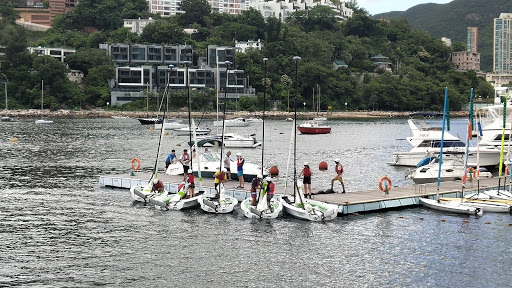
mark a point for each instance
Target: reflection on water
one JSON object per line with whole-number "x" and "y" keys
{"x": 60, "y": 228}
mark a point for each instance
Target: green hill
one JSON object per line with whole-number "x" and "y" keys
{"x": 452, "y": 19}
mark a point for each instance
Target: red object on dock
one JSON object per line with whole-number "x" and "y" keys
{"x": 322, "y": 166}
{"x": 274, "y": 171}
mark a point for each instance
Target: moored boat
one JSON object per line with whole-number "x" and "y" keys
{"x": 314, "y": 127}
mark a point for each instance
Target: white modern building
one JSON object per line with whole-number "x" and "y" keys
{"x": 502, "y": 44}
{"x": 137, "y": 25}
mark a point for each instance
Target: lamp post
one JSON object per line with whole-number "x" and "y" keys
{"x": 187, "y": 84}
{"x": 228, "y": 63}
{"x": 5, "y": 92}
{"x": 265, "y": 60}
{"x": 169, "y": 70}
{"x": 296, "y": 59}
{"x": 346, "y": 108}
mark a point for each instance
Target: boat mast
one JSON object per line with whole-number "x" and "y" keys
{"x": 187, "y": 82}
{"x": 468, "y": 137}
{"x": 296, "y": 59}
{"x": 265, "y": 60}
{"x": 224, "y": 118}
{"x": 442, "y": 141}
{"x": 42, "y": 89}
{"x": 502, "y": 142}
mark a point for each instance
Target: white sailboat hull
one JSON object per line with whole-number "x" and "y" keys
{"x": 42, "y": 121}
{"x": 499, "y": 194}
{"x": 450, "y": 207}
{"x": 220, "y": 205}
{"x": 485, "y": 206}
{"x": 238, "y": 122}
{"x": 313, "y": 210}
{"x": 254, "y": 212}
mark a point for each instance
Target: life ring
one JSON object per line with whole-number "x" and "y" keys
{"x": 135, "y": 160}
{"x": 385, "y": 178}
{"x": 470, "y": 171}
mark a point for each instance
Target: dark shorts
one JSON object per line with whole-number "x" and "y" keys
{"x": 307, "y": 180}
{"x": 192, "y": 185}
{"x": 227, "y": 169}
{"x": 253, "y": 194}
{"x": 185, "y": 169}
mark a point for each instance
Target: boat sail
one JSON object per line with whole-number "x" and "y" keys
{"x": 264, "y": 208}
{"x": 447, "y": 206}
{"x": 42, "y": 121}
{"x": 296, "y": 205}
{"x": 220, "y": 203}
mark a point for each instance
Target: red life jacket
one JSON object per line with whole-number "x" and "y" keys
{"x": 339, "y": 168}
{"x": 307, "y": 172}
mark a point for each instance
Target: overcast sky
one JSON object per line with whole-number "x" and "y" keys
{"x": 381, "y": 6}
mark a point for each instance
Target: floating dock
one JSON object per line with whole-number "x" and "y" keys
{"x": 349, "y": 203}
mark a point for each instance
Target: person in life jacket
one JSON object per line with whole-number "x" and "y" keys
{"x": 192, "y": 185}
{"x": 306, "y": 171}
{"x": 255, "y": 184}
{"x": 220, "y": 177}
{"x": 269, "y": 190}
{"x": 339, "y": 174}
{"x": 158, "y": 186}
{"x": 240, "y": 169}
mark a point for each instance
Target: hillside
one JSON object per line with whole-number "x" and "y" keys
{"x": 452, "y": 19}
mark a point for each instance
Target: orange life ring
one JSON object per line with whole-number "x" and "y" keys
{"x": 135, "y": 160}
{"x": 385, "y": 178}
{"x": 506, "y": 170}
{"x": 470, "y": 171}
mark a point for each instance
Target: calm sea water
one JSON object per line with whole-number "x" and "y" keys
{"x": 60, "y": 228}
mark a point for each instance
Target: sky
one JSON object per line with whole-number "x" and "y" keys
{"x": 382, "y": 6}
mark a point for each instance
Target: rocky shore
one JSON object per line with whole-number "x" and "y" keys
{"x": 101, "y": 113}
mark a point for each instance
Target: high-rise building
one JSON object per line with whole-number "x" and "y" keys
{"x": 472, "y": 44}
{"x": 502, "y": 44}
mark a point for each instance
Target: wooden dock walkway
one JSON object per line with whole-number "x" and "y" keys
{"x": 351, "y": 202}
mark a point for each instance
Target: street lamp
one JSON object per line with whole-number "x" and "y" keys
{"x": 6, "y": 118}
{"x": 169, "y": 70}
{"x": 187, "y": 83}
{"x": 265, "y": 60}
{"x": 296, "y": 59}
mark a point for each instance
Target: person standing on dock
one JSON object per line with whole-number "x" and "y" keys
{"x": 185, "y": 161}
{"x": 306, "y": 171}
{"x": 339, "y": 174}
{"x": 220, "y": 177}
{"x": 192, "y": 185}
{"x": 170, "y": 159}
{"x": 227, "y": 164}
{"x": 240, "y": 169}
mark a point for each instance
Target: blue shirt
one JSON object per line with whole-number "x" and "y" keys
{"x": 170, "y": 158}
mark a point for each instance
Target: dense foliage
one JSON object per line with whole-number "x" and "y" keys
{"x": 452, "y": 19}
{"x": 420, "y": 63}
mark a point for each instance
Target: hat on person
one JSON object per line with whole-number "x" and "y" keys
{"x": 268, "y": 179}
{"x": 238, "y": 154}
{"x": 306, "y": 163}
{"x": 155, "y": 180}
{"x": 337, "y": 160}
{"x": 259, "y": 176}
{"x": 189, "y": 171}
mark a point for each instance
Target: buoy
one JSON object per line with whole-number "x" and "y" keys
{"x": 442, "y": 220}
{"x": 274, "y": 171}
{"x": 380, "y": 216}
{"x": 166, "y": 133}
{"x": 322, "y": 166}
{"x": 509, "y": 224}
{"x": 487, "y": 222}
{"x": 356, "y": 214}
{"x": 151, "y": 128}
{"x": 400, "y": 217}
{"x": 422, "y": 218}
{"x": 465, "y": 221}
{"x": 14, "y": 140}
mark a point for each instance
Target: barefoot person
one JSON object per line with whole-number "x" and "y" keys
{"x": 255, "y": 184}
{"x": 339, "y": 174}
{"x": 306, "y": 171}
{"x": 240, "y": 169}
{"x": 227, "y": 164}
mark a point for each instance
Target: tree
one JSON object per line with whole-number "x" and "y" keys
{"x": 458, "y": 46}
{"x": 86, "y": 59}
{"x": 163, "y": 31}
{"x": 196, "y": 11}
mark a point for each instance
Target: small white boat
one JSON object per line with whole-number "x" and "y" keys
{"x": 450, "y": 171}
{"x": 320, "y": 119}
{"x": 486, "y": 206}
{"x": 237, "y": 122}
{"x": 262, "y": 209}
{"x": 289, "y": 119}
{"x": 499, "y": 194}
{"x": 477, "y": 196}
{"x": 209, "y": 163}
{"x": 450, "y": 207}
{"x": 231, "y": 140}
{"x": 176, "y": 201}
{"x": 6, "y": 119}
{"x": 42, "y": 121}
{"x": 186, "y": 131}
{"x": 171, "y": 125}
{"x": 221, "y": 205}
{"x": 143, "y": 193}
{"x": 254, "y": 120}
{"x": 308, "y": 209}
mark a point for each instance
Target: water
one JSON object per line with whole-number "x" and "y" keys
{"x": 59, "y": 228}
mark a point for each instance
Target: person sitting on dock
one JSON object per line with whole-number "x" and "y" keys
{"x": 185, "y": 161}
{"x": 158, "y": 186}
{"x": 170, "y": 159}
{"x": 220, "y": 177}
{"x": 192, "y": 185}
{"x": 339, "y": 174}
{"x": 306, "y": 171}
{"x": 255, "y": 184}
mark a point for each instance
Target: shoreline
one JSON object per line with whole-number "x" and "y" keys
{"x": 102, "y": 113}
